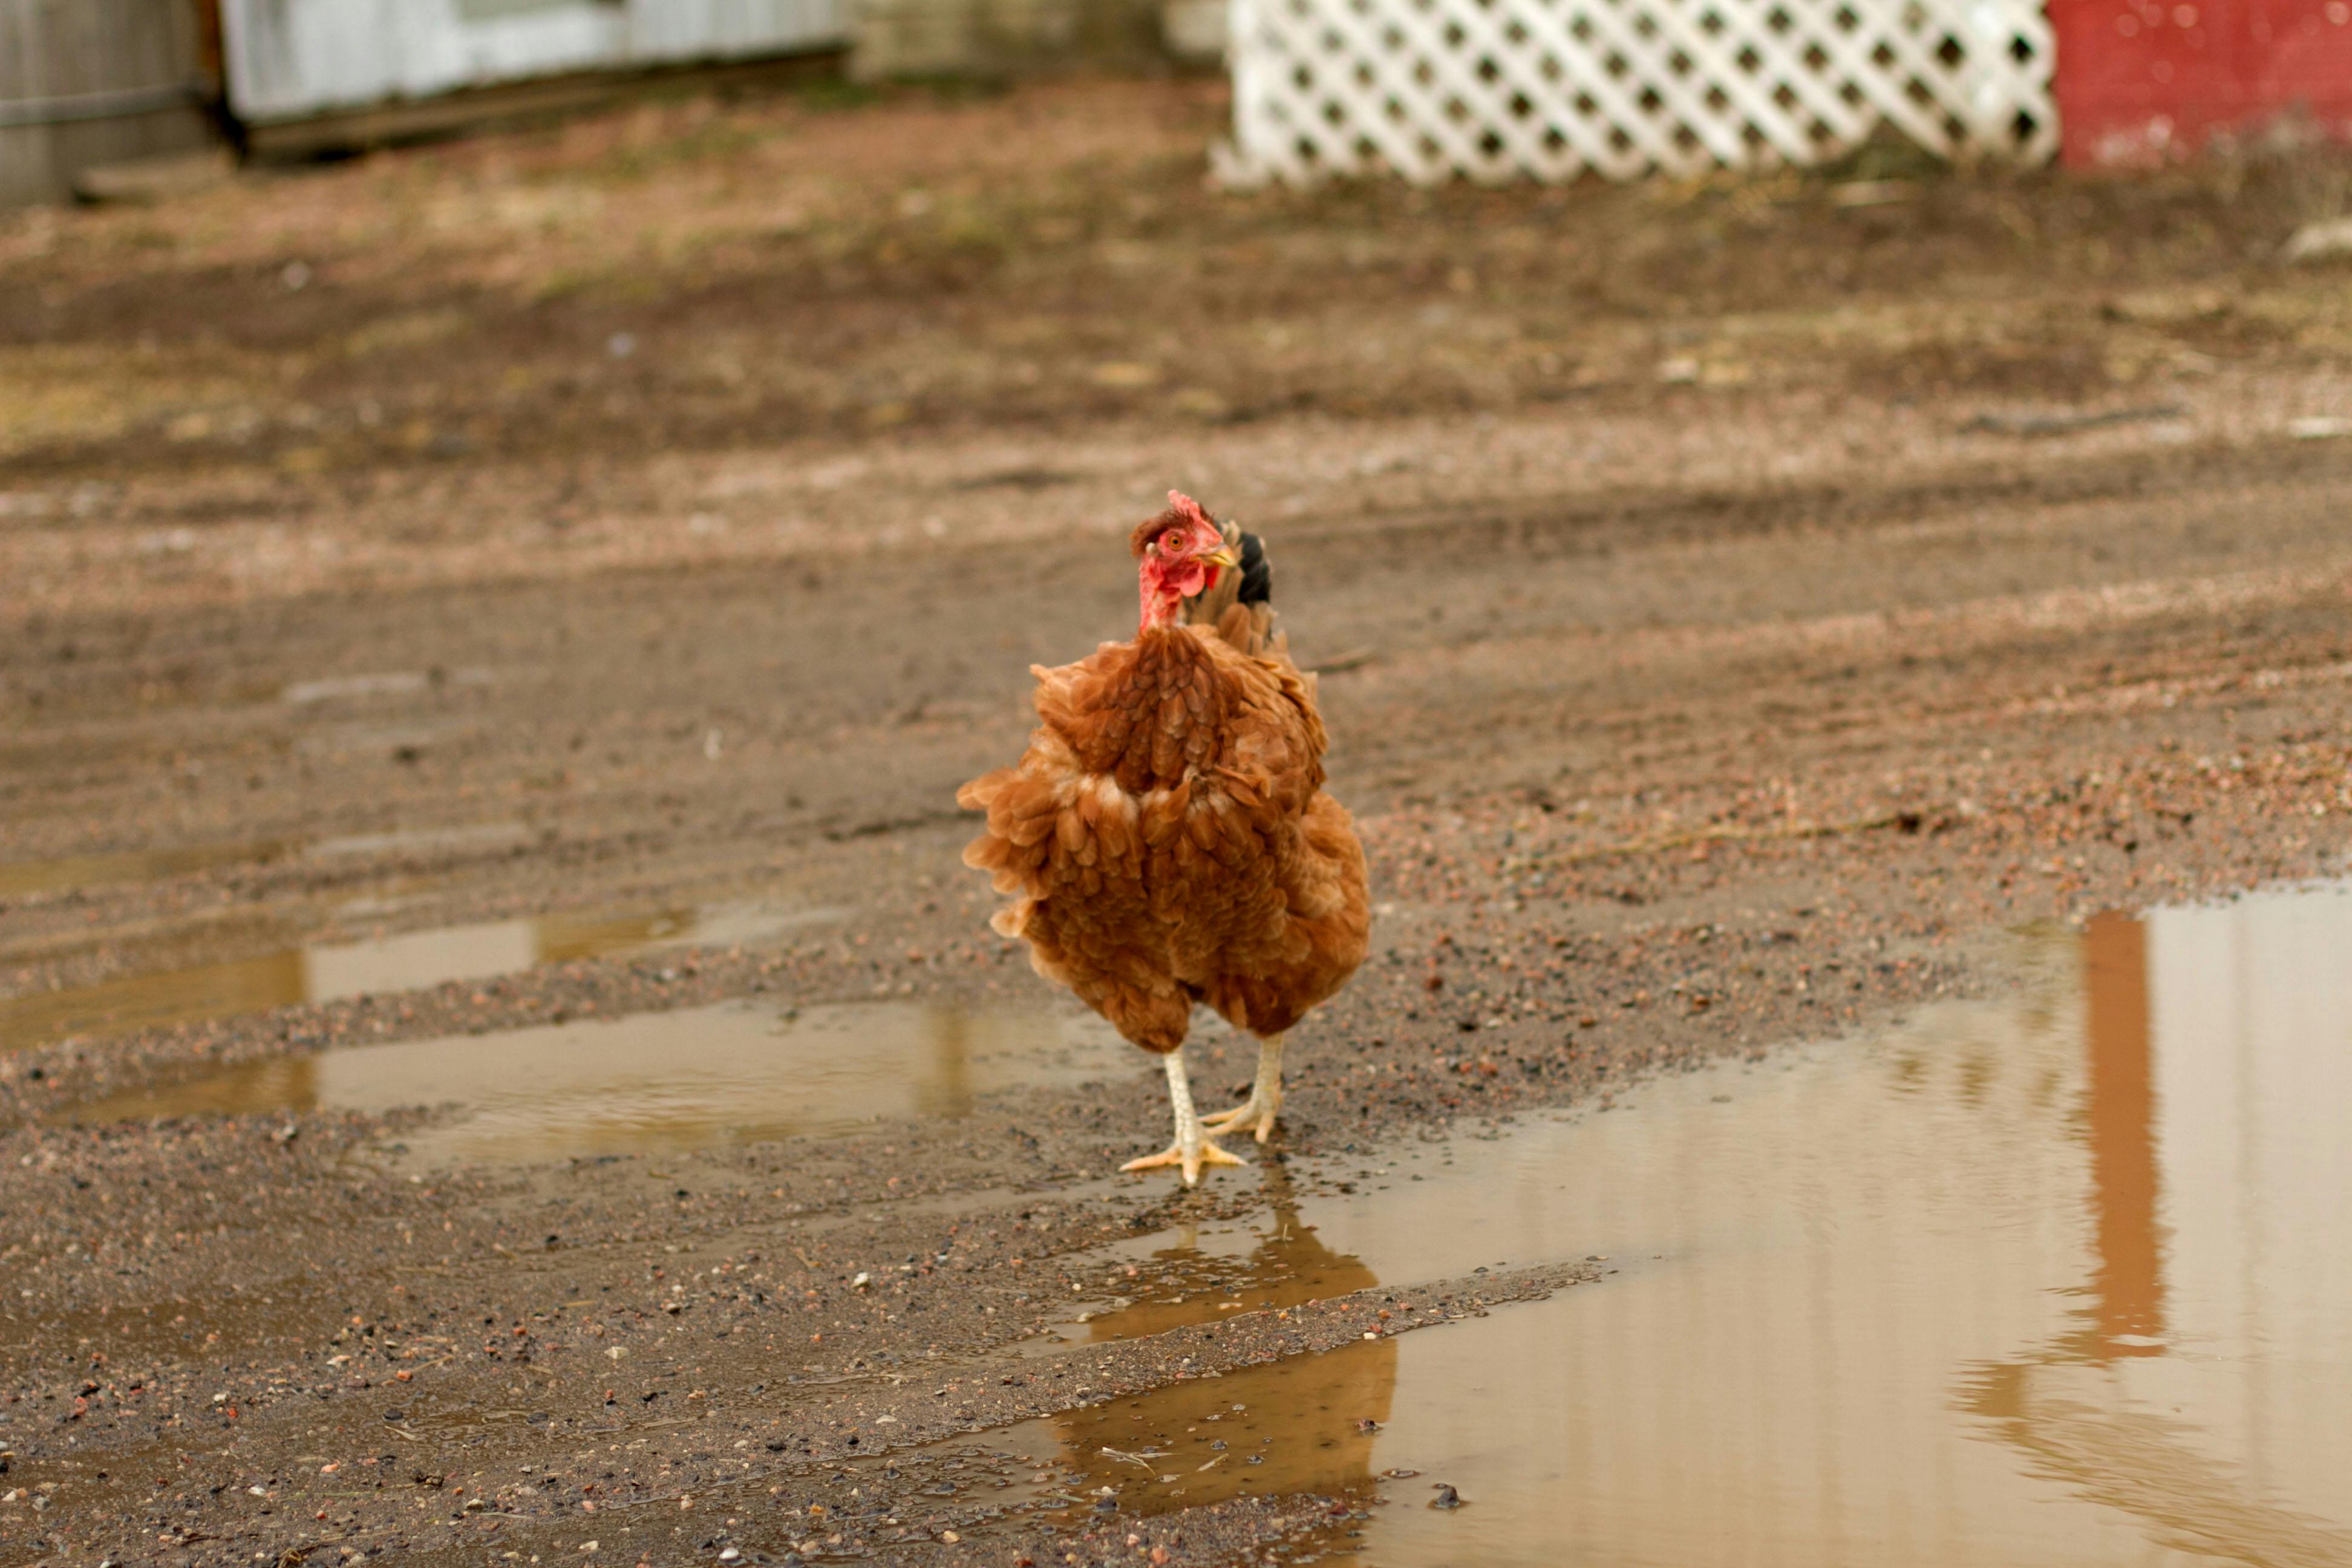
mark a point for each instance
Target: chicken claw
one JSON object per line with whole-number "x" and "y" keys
{"x": 1265, "y": 1102}
{"x": 1202, "y": 1152}
{"x": 1191, "y": 1149}
{"x": 1252, "y": 1115}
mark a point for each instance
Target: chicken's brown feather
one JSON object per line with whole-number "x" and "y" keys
{"x": 1165, "y": 836}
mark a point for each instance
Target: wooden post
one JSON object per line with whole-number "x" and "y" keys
{"x": 84, "y": 82}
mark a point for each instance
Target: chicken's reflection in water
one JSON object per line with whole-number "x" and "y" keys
{"x": 1301, "y": 1424}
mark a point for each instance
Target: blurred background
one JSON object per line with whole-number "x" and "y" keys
{"x": 715, "y": 224}
{"x": 515, "y": 516}
{"x": 370, "y": 372}
{"x": 472, "y": 460}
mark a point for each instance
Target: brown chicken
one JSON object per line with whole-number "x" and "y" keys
{"x": 1166, "y": 837}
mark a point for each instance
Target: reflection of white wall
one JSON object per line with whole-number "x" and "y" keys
{"x": 418, "y": 959}
{"x": 708, "y": 1075}
{"x": 2252, "y": 1013}
{"x": 291, "y": 58}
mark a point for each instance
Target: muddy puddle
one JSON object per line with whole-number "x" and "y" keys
{"x": 75, "y": 873}
{"x": 660, "y": 1082}
{"x": 2058, "y": 1278}
{"x": 70, "y": 873}
{"x": 1201, "y": 1274}
{"x": 327, "y": 972}
{"x": 381, "y": 683}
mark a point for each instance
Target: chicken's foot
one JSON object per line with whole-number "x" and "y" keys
{"x": 1191, "y": 1149}
{"x": 1265, "y": 1102}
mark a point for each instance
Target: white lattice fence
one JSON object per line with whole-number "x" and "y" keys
{"x": 1497, "y": 90}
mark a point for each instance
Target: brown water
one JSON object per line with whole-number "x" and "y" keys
{"x": 66, "y": 873}
{"x": 71, "y": 873}
{"x": 326, "y": 972}
{"x": 2058, "y": 1280}
{"x": 1196, "y": 1275}
{"x": 657, "y": 1082}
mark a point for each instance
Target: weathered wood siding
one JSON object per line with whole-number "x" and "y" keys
{"x": 293, "y": 59}
{"x": 94, "y": 81}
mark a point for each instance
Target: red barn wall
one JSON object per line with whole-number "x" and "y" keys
{"x": 2140, "y": 80}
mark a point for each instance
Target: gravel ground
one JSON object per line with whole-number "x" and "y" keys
{"x": 1733, "y": 677}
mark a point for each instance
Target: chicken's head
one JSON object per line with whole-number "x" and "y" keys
{"x": 1180, "y": 553}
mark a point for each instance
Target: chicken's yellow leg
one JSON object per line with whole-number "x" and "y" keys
{"x": 1191, "y": 1149}
{"x": 1265, "y": 1102}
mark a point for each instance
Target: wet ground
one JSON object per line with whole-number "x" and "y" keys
{"x": 2046, "y": 1279}
{"x": 499, "y": 1058}
{"x": 327, "y": 972}
{"x": 657, "y": 1083}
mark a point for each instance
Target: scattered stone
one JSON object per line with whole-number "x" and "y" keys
{"x": 1126, "y": 373}
{"x": 2329, "y": 239}
{"x": 1874, "y": 193}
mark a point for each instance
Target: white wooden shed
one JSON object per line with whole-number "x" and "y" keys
{"x": 290, "y": 61}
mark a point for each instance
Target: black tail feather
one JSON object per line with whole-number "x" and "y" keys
{"x": 1257, "y": 574}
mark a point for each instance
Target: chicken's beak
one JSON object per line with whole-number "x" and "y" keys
{"x": 1220, "y": 556}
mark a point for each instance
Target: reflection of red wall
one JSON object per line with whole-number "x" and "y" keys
{"x": 2139, "y": 80}
{"x": 2122, "y": 1137}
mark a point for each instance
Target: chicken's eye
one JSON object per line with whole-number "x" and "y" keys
{"x": 1171, "y": 542}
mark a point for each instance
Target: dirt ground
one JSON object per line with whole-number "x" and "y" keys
{"x": 1741, "y": 601}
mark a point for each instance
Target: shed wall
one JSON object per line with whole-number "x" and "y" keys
{"x": 290, "y": 58}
